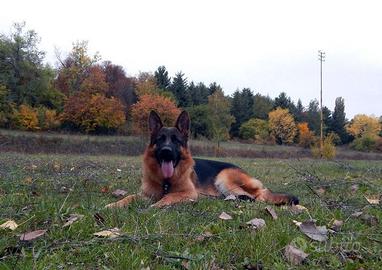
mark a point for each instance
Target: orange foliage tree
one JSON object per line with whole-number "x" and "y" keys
{"x": 95, "y": 113}
{"x": 305, "y": 136}
{"x": 26, "y": 118}
{"x": 164, "y": 106}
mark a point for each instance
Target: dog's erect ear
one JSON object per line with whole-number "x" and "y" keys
{"x": 183, "y": 124}
{"x": 155, "y": 124}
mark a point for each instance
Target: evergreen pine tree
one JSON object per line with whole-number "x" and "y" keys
{"x": 163, "y": 81}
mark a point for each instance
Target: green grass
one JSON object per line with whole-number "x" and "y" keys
{"x": 167, "y": 238}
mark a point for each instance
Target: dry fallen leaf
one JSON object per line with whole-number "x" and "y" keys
{"x": 204, "y": 236}
{"x": 294, "y": 255}
{"x": 369, "y": 219}
{"x": 28, "y": 180}
{"x": 373, "y": 199}
{"x": 56, "y": 166}
{"x": 71, "y": 219}
{"x": 105, "y": 189}
{"x": 357, "y": 214}
{"x": 10, "y": 224}
{"x": 336, "y": 225}
{"x": 112, "y": 233}
{"x": 309, "y": 228}
{"x": 225, "y": 216}
{"x": 320, "y": 190}
{"x": 119, "y": 193}
{"x": 230, "y": 198}
{"x": 186, "y": 264}
{"x": 271, "y": 211}
{"x": 354, "y": 188}
{"x": 256, "y": 223}
{"x": 296, "y": 209}
{"x": 29, "y": 236}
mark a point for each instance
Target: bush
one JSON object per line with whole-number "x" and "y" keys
{"x": 365, "y": 143}
{"x": 328, "y": 148}
{"x": 26, "y": 118}
{"x": 256, "y": 129}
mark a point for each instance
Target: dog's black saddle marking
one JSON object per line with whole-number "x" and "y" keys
{"x": 207, "y": 170}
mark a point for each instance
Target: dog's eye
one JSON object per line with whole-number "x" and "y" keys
{"x": 175, "y": 139}
{"x": 161, "y": 138}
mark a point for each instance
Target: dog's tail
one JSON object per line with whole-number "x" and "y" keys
{"x": 276, "y": 198}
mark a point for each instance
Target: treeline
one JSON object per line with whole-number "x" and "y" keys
{"x": 83, "y": 94}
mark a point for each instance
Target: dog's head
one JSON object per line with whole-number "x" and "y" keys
{"x": 169, "y": 141}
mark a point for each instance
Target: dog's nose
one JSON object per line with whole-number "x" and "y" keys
{"x": 166, "y": 153}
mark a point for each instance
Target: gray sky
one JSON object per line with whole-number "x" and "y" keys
{"x": 269, "y": 46}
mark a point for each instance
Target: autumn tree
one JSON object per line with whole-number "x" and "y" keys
{"x": 282, "y": 126}
{"x": 164, "y": 106}
{"x": 73, "y": 70}
{"x": 364, "y": 125}
{"x": 26, "y": 118}
{"x": 221, "y": 118}
{"x": 93, "y": 113}
{"x": 119, "y": 85}
{"x": 305, "y": 136}
{"x": 146, "y": 84}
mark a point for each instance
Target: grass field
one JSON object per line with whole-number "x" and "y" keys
{"x": 57, "y": 143}
{"x": 40, "y": 191}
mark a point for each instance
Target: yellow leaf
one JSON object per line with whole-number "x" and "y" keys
{"x": 10, "y": 224}
{"x": 112, "y": 233}
{"x": 372, "y": 199}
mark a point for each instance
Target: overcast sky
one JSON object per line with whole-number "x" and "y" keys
{"x": 268, "y": 46}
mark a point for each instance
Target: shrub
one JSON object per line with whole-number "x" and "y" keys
{"x": 256, "y": 129}
{"x": 365, "y": 143}
{"x": 328, "y": 148}
{"x": 26, "y": 118}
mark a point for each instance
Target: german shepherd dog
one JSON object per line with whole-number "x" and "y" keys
{"x": 171, "y": 175}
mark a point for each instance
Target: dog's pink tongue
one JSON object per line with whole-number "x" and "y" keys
{"x": 167, "y": 169}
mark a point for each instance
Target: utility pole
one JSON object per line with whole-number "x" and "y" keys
{"x": 321, "y": 58}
